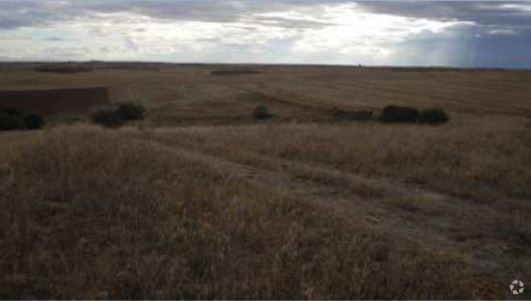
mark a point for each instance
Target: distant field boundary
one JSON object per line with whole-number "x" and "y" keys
{"x": 55, "y": 101}
{"x": 233, "y": 72}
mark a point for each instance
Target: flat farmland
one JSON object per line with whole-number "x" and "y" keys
{"x": 200, "y": 200}
{"x": 189, "y": 93}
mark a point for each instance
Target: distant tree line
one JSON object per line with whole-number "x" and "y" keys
{"x": 117, "y": 116}
{"x": 390, "y": 114}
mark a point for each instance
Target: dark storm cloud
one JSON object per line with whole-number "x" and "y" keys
{"x": 491, "y": 13}
{"x": 29, "y": 13}
{"x": 15, "y": 14}
{"x": 466, "y": 46}
{"x": 33, "y": 12}
{"x": 501, "y": 35}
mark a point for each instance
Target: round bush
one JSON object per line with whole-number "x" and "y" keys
{"x": 353, "y": 115}
{"x": 107, "y": 118}
{"x": 399, "y": 114}
{"x": 33, "y": 121}
{"x": 433, "y": 116}
{"x": 9, "y": 122}
{"x": 130, "y": 111}
{"x": 261, "y": 112}
{"x": 13, "y": 112}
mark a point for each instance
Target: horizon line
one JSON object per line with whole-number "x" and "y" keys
{"x": 260, "y": 64}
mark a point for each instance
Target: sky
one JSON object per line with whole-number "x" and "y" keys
{"x": 403, "y": 33}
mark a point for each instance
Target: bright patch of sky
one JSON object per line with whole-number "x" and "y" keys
{"x": 329, "y": 33}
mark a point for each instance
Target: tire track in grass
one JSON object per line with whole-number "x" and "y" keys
{"x": 484, "y": 235}
{"x": 434, "y": 220}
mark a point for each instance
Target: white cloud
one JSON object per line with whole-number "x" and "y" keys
{"x": 334, "y": 32}
{"x": 519, "y": 6}
{"x": 502, "y": 31}
{"x": 360, "y": 34}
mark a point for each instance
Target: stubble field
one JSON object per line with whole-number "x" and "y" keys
{"x": 200, "y": 200}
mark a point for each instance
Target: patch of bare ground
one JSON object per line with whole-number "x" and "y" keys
{"x": 55, "y": 101}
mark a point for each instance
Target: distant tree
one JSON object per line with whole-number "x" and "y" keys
{"x": 399, "y": 114}
{"x": 261, "y": 112}
{"x": 15, "y": 119}
{"x": 130, "y": 111}
{"x": 33, "y": 121}
{"x": 12, "y": 111}
{"x": 9, "y": 122}
{"x": 353, "y": 115}
{"x": 433, "y": 116}
{"x": 107, "y": 118}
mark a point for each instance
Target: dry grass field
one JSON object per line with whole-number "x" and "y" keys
{"x": 202, "y": 201}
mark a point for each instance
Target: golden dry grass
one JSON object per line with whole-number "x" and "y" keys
{"x": 187, "y": 94}
{"x": 95, "y": 214}
{"x": 308, "y": 209}
{"x": 484, "y": 159}
{"x": 462, "y": 188}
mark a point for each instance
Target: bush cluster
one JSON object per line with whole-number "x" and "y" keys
{"x": 353, "y": 115}
{"x": 14, "y": 119}
{"x": 399, "y": 114}
{"x": 107, "y": 118}
{"x": 116, "y": 117}
{"x": 394, "y": 114}
{"x": 433, "y": 116}
{"x": 262, "y": 112}
{"x": 130, "y": 111}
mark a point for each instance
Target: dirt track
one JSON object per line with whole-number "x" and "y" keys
{"x": 432, "y": 219}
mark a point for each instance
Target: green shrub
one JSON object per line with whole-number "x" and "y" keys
{"x": 33, "y": 121}
{"x": 130, "y": 111}
{"x": 113, "y": 118}
{"x": 13, "y": 112}
{"x": 433, "y": 116}
{"x": 9, "y": 122}
{"x": 399, "y": 114}
{"x": 262, "y": 112}
{"x": 15, "y": 119}
{"x": 353, "y": 116}
{"x": 107, "y": 118}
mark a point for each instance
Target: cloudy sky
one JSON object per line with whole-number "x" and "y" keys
{"x": 450, "y": 33}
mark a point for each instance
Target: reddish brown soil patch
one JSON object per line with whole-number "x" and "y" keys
{"x": 57, "y": 101}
